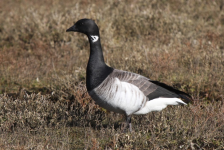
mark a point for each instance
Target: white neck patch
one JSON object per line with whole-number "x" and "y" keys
{"x": 94, "y": 38}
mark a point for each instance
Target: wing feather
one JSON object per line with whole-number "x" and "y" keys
{"x": 151, "y": 89}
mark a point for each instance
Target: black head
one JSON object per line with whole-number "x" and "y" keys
{"x": 86, "y": 26}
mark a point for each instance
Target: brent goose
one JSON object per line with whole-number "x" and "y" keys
{"x": 121, "y": 91}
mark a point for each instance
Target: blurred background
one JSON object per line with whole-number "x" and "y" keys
{"x": 43, "y": 100}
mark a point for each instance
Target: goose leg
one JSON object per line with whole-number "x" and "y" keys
{"x": 128, "y": 125}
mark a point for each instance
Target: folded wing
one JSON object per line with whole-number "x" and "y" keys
{"x": 151, "y": 89}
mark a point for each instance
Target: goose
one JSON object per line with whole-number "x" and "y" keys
{"x": 121, "y": 91}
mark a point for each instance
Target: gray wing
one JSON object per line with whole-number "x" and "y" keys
{"x": 151, "y": 89}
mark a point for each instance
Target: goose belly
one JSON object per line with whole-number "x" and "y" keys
{"x": 118, "y": 96}
{"x": 159, "y": 104}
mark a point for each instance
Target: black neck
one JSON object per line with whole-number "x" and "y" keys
{"x": 97, "y": 70}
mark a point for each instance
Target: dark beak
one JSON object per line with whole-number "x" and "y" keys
{"x": 72, "y": 28}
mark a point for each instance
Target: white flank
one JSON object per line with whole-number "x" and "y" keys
{"x": 94, "y": 38}
{"x": 158, "y": 104}
{"x": 122, "y": 97}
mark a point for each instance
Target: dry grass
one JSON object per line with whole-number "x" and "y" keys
{"x": 43, "y": 100}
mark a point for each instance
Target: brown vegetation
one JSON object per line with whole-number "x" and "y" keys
{"x": 43, "y": 99}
